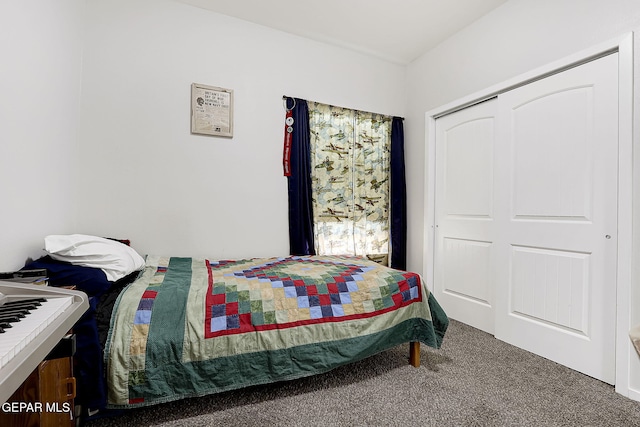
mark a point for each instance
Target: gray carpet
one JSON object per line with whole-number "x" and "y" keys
{"x": 473, "y": 380}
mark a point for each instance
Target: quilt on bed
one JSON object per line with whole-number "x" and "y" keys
{"x": 189, "y": 327}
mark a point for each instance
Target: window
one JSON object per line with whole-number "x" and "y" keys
{"x": 350, "y": 158}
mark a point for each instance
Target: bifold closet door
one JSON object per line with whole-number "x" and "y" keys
{"x": 526, "y": 216}
{"x": 557, "y": 140}
{"x": 464, "y": 281}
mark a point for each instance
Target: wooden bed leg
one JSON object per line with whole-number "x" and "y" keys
{"x": 414, "y": 354}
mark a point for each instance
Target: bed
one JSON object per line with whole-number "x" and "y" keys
{"x": 184, "y": 327}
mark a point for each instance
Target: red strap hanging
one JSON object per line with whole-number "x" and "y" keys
{"x": 288, "y": 136}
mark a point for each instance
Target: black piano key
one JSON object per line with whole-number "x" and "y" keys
{"x": 18, "y": 308}
{"x": 10, "y": 318}
{"x": 5, "y": 325}
{"x": 19, "y": 313}
{"x": 39, "y": 299}
{"x": 4, "y": 308}
{"x": 15, "y": 301}
{"x": 22, "y": 310}
{"x": 36, "y": 301}
{"x": 14, "y": 306}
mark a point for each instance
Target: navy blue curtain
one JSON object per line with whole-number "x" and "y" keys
{"x": 301, "y": 240}
{"x": 398, "y": 195}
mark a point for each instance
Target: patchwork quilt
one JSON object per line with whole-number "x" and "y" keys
{"x": 190, "y": 327}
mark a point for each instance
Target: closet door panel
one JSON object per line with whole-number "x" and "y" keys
{"x": 558, "y": 159}
{"x": 464, "y": 281}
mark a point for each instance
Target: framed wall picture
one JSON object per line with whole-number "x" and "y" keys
{"x": 211, "y": 110}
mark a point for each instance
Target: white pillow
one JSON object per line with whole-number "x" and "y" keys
{"x": 114, "y": 258}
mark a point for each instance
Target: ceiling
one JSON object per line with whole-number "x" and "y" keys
{"x": 395, "y": 30}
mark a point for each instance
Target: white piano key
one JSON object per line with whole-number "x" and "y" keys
{"x": 16, "y": 338}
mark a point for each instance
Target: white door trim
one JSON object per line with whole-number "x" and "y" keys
{"x": 627, "y": 361}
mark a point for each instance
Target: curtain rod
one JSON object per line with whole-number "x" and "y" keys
{"x": 337, "y": 106}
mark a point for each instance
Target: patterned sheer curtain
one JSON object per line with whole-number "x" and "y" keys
{"x": 350, "y": 165}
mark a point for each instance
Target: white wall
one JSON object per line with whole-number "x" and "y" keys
{"x": 517, "y": 37}
{"x": 146, "y": 178}
{"x": 40, "y": 69}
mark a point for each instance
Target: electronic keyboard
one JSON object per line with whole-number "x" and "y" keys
{"x": 33, "y": 319}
